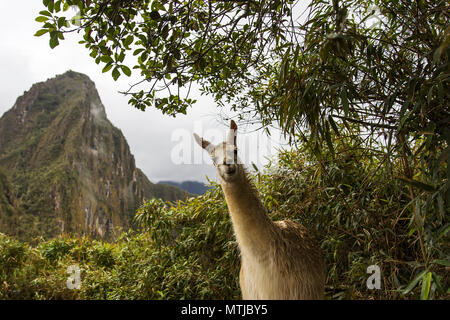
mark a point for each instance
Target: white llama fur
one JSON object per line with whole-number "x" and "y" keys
{"x": 279, "y": 260}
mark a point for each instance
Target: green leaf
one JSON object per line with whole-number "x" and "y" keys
{"x": 107, "y": 67}
{"x": 344, "y": 100}
{"x": 437, "y": 281}
{"x": 333, "y": 125}
{"x": 445, "y": 229}
{"x": 426, "y": 285}
{"x": 61, "y": 22}
{"x": 45, "y": 13}
{"x": 58, "y": 6}
{"x": 41, "y": 19}
{"x": 418, "y": 184}
{"x": 126, "y": 70}
{"x": 106, "y": 59}
{"x": 51, "y": 5}
{"x": 445, "y": 263}
{"x": 413, "y": 283}
{"x": 128, "y": 40}
{"x": 115, "y": 73}
{"x": 121, "y": 56}
{"x": 40, "y": 32}
{"x": 137, "y": 51}
{"x": 54, "y": 42}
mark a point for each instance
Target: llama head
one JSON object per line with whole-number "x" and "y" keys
{"x": 223, "y": 155}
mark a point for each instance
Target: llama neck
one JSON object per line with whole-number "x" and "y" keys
{"x": 252, "y": 225}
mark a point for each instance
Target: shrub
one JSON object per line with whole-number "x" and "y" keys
{"x": 187, "y": 250}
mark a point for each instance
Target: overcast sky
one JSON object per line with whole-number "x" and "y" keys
{"x": 158, "y": 142}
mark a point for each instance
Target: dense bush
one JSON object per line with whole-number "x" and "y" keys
{"x": 187, "y": 250}
{"x": 184, "y": 251}
{"x": 364, "y": 217}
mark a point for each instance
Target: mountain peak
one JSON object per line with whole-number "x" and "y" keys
{"x": 55, "y": 92}
{"x": 71, "y": 169}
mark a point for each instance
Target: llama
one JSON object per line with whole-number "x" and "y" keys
{"x": 279, "y": 260}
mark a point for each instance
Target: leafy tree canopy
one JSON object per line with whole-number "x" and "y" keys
{"x": 378, "y": 67}
{"x": 273, "y": 60}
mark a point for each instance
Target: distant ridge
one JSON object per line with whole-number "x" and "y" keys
{"x": 193, "y": 187}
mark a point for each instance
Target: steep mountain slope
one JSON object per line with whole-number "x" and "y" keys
{"x": 9, "y": 212}
{"x": 69, "y": 168}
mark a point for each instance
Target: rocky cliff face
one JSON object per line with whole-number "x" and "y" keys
{"x": 69, "y": 169}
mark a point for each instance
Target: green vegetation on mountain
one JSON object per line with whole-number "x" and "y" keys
{"x": 8, "y": 206}
{"x": 69, "y": 170}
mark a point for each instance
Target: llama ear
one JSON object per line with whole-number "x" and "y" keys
{"x": 231, "y": 137}
{"x": 202, "y": 143}
{"x": 233, "y": 125}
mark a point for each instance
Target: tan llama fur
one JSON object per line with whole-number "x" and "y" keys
{"x": 279, "y": 260}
